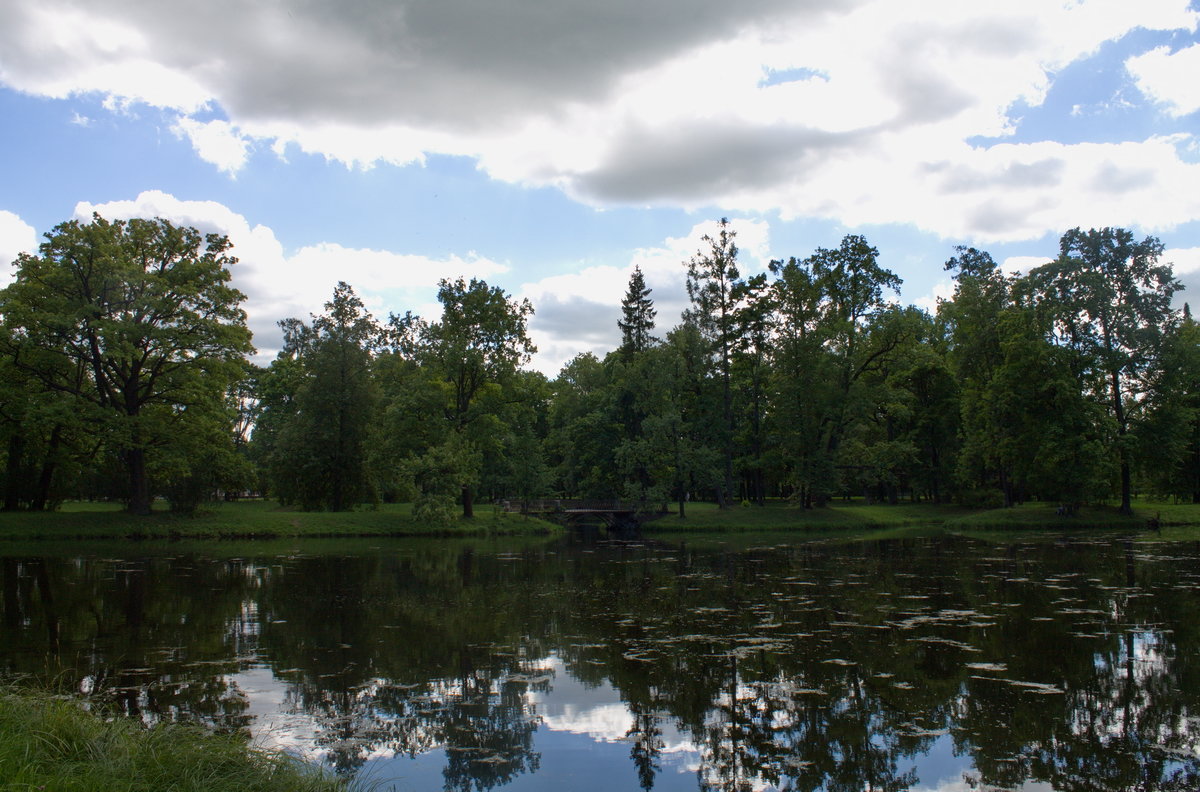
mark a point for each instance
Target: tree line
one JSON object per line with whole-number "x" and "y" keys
{"x": 125, "y": 374}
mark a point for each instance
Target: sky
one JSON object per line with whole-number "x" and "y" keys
{"x": 549, "y": 148}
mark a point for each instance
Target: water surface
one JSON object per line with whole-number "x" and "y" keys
{"x": 936, "y": 663}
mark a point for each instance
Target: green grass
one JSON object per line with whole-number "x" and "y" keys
{"x": 251, "y": 520}
{"x": 858, "y": 515}
{"x": 267, "y": 520}
{"x": 1045, "y": 515}
{"x": 52, "y": 743}
{"x": 780, "y": 515}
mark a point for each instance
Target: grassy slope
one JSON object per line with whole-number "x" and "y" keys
{"x": 856, "y": 514}
{"x": 249, "y": 519}
{"x": 53, "y": 744}
{"x": 782, "y": 515}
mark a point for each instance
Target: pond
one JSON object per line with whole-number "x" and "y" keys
{"x": 921, "y": 663}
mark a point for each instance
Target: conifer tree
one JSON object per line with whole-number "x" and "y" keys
{"x": 714, "y": 287}
{"x": 638, "y": 314}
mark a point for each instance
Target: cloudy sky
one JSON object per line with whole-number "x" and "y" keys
{"x": 548, "y": 147}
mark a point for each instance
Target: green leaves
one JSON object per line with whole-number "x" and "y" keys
{"x": 322, "y": 418}
{"x": 135, "y": 318}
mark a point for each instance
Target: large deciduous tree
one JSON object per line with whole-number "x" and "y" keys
{"x": 136, "y": 321}
{"x": 474, "y": 351}
{"x": 1111, "y": 301}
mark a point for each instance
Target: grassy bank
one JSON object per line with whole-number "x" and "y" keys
{"x": 251, "y": 520}
{"x": 267, "y": 520}
{"x": 781, "y": 515}
{"x": 859, "y": 515}
{"x": 50, "y": 743}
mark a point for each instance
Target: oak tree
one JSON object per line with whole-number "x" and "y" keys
{"x": 136, "y": 321}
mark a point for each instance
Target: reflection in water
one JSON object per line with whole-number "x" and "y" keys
{"x": 885, "y": 665}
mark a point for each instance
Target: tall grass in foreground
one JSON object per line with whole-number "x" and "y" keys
{"x": 49, "y": 743}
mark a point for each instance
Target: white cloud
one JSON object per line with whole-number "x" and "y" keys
{"x": 1186, "y": 261}
{"x": 217, "y": 142}
{"x": 58, "y": 49}
{"x": 16, "y": 236}
{"x": 1023, "y": 264}
{"x": 942, "y": 290}
{"x": 1186, "y": 264}
{"x": 1169, "y": 77}
{"x": 280, "y": 284}
{"x": 632, "y": 103}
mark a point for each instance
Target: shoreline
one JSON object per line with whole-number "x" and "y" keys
{"x": 262, "y": 520}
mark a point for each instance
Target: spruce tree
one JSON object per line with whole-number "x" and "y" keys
{"x": 638, "y": 314}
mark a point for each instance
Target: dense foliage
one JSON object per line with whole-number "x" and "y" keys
{"x": 120, "y": 343}
{"x": 123, "y": 350}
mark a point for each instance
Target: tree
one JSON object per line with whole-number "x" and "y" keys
{"x": 825, "y": 305}
{"x": 321, "y": 458}
{"x": 582, "y": 432}
{"x": 637, "y": 312}
{"x": 474, "y": 351}
{"x": 982, "y": 295}
{"x": 713, "y": 286}
{"x": 1169, "y": 439}
{"x": 42, "y": 440}
{"x": 1033, "y": 424}
{"x": 1111, "y": 300}
{"x": 136, "y": 321}
{"x": 804, "y": 384}
{"x": 679, "y": 428}
{"x": 750, "y": 372}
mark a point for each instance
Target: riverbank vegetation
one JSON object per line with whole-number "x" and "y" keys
{"x": 123, "y": 350}
{"x": 52, "y": 743}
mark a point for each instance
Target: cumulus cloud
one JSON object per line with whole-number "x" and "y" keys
{"x": 1186, "y": 264}
{"x": 1186, "y": 261}
{"x": 871, "y": 114}
{"x": 279, "y": 283}
{"x": 1023, "y": 264}
{"x": 16, "y": 236}
{"x": 217, "y": 142}
{"x": 942, "y": 290}
{"x": 1169, "y": 77}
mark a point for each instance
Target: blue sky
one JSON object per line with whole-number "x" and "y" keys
{"x": 549, "y": 148}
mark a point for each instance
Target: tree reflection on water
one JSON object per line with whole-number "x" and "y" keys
{"x": 801, "y": 667}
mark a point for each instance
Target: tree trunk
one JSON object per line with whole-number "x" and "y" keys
{"x": 726, "y": 494}
{"x": 12, "y": 478}
{"x": 139, "y": 486}
{"x": 468, "y": 503}
{"x": 1122, "y": 429}
{"x": 12, "y": 597}
{"x": 1126, "y": 487}
{"x": 41, "y": 496}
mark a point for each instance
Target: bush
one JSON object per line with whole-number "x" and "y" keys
{"x": 981, "y": 499}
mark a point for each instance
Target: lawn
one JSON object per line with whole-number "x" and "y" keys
{"x": 251, "y": 520}
{"x": 858, "y": 514}
{"x": 782, "y": 515}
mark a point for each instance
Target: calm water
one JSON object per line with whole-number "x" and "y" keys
{"x": 939, "y": 663}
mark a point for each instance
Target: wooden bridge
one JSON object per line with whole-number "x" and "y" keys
{"x": 618, "y": 516}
